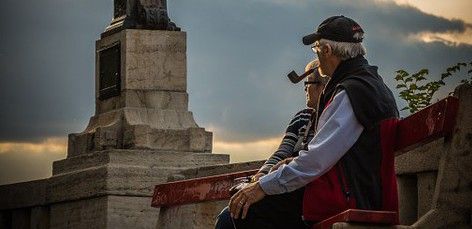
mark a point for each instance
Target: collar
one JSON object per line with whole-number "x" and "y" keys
{"x": 344, "y": 68}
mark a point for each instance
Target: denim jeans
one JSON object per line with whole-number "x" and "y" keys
{"x": 224, "y": 220}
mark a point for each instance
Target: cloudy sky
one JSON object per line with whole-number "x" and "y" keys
{"x": 238, "y": 55}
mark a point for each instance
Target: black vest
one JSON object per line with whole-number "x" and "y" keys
{"x": 372, "y": 102}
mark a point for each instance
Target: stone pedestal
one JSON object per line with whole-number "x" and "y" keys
{"x": 150, "y": 107}
{"x": 141, "y": 133}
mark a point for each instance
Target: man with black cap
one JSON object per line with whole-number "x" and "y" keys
{"x": 346, "y": 164}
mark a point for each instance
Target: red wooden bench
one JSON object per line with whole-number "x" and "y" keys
{"x": 431, "y": 123}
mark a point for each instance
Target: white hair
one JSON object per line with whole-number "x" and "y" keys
{"x": 344, "y": 50}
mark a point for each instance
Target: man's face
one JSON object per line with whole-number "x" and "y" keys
{"x": 312, "y": 91}
{"x": 317, "y": 48}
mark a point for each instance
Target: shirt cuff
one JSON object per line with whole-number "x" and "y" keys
{"x": 270, "y": 184}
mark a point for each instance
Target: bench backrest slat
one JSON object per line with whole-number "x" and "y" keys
{"x": 426, "y": 125}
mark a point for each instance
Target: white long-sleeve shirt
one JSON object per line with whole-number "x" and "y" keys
{"x": 337, "y": 131}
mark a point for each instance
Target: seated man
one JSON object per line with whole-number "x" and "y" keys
{"x": 342, "y": 167}
{"x": 297, "y": 134}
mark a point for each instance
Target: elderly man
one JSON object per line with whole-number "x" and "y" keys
{"x": 343, "y": 166}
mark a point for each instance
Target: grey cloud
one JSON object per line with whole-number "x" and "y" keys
{"x": 47, "y": 66}
{"x": 238, "y": 55}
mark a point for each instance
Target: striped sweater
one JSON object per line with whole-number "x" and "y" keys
{"x": 295, "y": 130}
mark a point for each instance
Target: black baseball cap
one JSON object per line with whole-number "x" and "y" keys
{"x": 336, "y": 28}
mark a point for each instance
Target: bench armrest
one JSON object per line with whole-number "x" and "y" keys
{"x": 196, "y": 190}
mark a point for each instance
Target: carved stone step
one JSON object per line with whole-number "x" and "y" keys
{"x": 146, "y": 158}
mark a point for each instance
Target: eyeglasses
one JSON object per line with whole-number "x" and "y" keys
{"x": 311, "y": 82}
{"x": 315, "y": 47}
{"x": 307, "y": 83}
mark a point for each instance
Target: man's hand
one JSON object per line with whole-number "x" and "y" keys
{"x": 280, "y": 163}
{"x": 244, "y": 198}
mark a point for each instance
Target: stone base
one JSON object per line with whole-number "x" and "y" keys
{"x": 141, "y": 128}
{"x": 121, "y": 172}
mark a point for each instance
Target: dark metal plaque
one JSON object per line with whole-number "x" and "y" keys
{"x": 110, "y": 72}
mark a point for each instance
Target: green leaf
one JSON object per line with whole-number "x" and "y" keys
{"x": 445, "y": 75}
{"x": 424, "y": 71}
{"x": 422, "y": 88}
{"x": 403, "y": 72}
{"x": 419, "y": 96}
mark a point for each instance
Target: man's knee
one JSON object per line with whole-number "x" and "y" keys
{"x": 224, "y": 220}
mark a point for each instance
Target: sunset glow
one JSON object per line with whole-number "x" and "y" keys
{"x": 49, "y": 145}
{"x": 246, "y": 151}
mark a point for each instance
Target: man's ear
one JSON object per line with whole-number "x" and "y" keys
{"x": 327, "y": 50}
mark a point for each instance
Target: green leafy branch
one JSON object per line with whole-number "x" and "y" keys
{"x": 417, "y": 93}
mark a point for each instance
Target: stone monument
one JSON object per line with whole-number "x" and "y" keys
{"x": 141, "y": 132}
{"x": 141, "y": 82}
